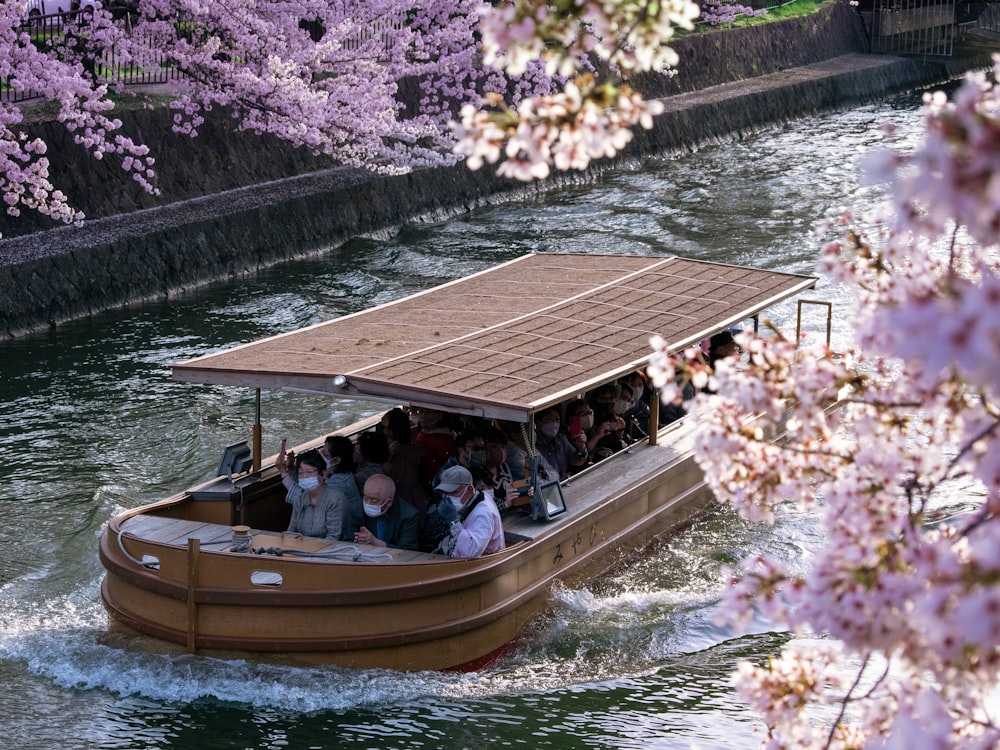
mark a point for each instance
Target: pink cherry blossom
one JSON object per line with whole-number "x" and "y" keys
{"x": 905, "y": 585}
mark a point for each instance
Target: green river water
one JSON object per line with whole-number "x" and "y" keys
{"x": 92, "y": 424}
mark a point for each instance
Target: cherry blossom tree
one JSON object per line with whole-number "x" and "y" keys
{"x": 592, "y": 116}
{"x": 905, "y": 591}
{"x": 332, "y": 76}
{"x": 58, "y": 74}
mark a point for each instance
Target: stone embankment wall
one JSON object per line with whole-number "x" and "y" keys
{"x": 232, "y": 204}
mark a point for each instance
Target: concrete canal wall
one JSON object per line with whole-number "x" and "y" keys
{"x": 231, "y": 206}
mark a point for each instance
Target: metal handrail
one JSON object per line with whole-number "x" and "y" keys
{"x": 798, "y": 318}
{"x": 105, "y": 64}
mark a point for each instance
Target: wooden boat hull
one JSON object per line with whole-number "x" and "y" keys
{"x": 508, "y": 344}
{"x": 429, "y": 613}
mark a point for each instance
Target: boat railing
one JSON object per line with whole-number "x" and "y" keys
{"x": 802, "y": 303}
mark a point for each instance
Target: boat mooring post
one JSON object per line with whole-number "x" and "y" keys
{"x": 194, "y": 553}
{"x": 257, "y": 435}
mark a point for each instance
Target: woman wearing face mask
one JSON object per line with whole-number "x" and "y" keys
{"x": 338, "y": 450}
{"x": 555, "y": 447}
{"x": 317, "y": 508}
{"x": 606, "y": 436}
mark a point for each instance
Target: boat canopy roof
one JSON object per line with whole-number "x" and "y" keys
{"x": 509, "y": 341}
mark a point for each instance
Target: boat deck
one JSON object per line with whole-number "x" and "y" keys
{"x": 219, "y": 537}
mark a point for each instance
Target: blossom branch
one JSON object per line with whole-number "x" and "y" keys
{"x": 910, "y": 567}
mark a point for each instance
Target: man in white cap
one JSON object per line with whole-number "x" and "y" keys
{"x": 477, "y": 530}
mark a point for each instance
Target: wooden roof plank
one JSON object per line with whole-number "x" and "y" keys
{"x": 509, "y": 340}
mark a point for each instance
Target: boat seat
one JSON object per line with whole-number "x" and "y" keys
{"x": 510, "y": 538}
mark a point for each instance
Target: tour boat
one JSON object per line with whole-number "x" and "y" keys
{"x": 211, "y": 571}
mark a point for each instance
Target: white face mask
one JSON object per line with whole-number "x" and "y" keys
{"x": 622, "y": 406}
{"x": 309, "y": 483}
{"x": 550, "y": 429}
{"x": 373, "y": 511}
{"x": 456, "y": 501}
{"x": 586, "y": 421}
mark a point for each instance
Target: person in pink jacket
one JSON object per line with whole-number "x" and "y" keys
{"x": 477, "y": 529}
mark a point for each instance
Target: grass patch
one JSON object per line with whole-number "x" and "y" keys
{"x": 795, "y": 9}
{"x": 42, "y": 110}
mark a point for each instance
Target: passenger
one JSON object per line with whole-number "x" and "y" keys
{"x": 639, "y": 413}
{"x": 378, "y": 519}
{"x": 641, "y": 391}
{"x": 672, "y": 412}
{"x": 403, "y": 465}
{"x": 437, "y": 443}
{"x": 606, "y": 438}
{"x": 579, "y": 421}
{"x": 477, "y": 530}
{"x": 317, "y": 507}
{"x": 370, "y": 453}
{"x": 722, "y": 345}
{"x": 517, "y": 452}
{"x": 482, "y": 481}
{"x": 555, "y": 447}
{"x": 501, "y": 480}
{"x": 470, "y": 449}
{"x": 470, "y": 452}
{"x": 338, "y": 451}
{"x": 603, "y": 400}
{"x": 579, "y": 417}
{"x": 625, "y": 406}
{"x": 440, "y": 514}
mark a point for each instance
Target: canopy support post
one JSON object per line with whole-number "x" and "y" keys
{"x": 257, "y": 437}
{"x": 653, "y": 428}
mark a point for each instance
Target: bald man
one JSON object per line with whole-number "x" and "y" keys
{"x": 381, "y": 520}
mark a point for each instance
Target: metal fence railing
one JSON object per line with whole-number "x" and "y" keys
{"x": 766, "y": 4}
{"x": 989, "y": 18}
{"x": 146, "y": 65}
{"x": 912, "y": 27}
{"x": 384, "y": 32}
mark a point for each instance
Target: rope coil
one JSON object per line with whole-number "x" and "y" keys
{"x": 152, "y": 563}
{"x": 347, "y": 552}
